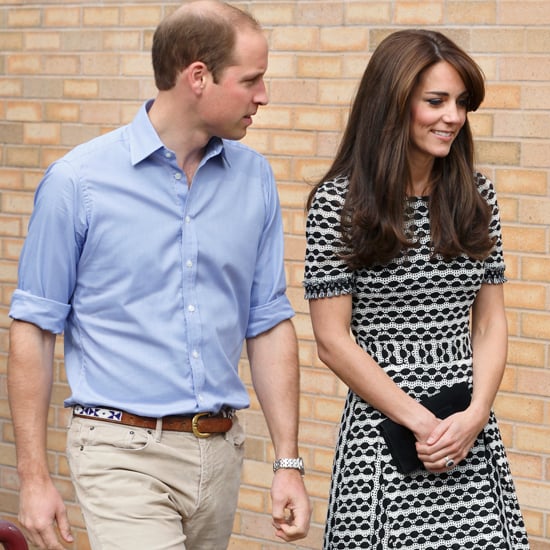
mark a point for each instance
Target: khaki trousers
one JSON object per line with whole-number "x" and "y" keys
{"x": 145, "y": 489}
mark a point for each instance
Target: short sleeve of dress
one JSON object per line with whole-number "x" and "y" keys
{"x": 326, "y": 274}
{"x": 494, "y": 263}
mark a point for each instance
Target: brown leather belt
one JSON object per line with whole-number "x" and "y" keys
{"x": 201, "y": 424}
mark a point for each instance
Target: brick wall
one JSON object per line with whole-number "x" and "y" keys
{"x": 71, "y": 70}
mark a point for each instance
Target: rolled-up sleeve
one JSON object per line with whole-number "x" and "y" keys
{"x": 48, "y": 262}
{"x": 269, "y": 303}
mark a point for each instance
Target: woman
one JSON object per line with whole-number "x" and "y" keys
{"x": 404, "y": 248}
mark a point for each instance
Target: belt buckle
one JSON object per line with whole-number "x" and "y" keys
{"x": 195, "y": 426}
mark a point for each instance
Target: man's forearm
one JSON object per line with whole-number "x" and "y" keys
{"x": 273, "y": 358}
{"x": 30, "y": 376}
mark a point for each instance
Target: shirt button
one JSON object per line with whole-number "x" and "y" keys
{"x": 187, "y": 219}
{"x": 195, "y": 353}
{"x": 168, "y": 155}
{"x": 177, "y": 175}
{"x": 191, "y": 308}
{"x": 189, "y": 263}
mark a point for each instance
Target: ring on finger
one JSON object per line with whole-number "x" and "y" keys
{"x": 449, "y": 462}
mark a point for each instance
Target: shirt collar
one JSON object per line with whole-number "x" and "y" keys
{"x": 144, "y": 140}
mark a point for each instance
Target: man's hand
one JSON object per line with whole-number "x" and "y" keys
{"x": 41, "y": 509}
{"x": 291, "y": 506}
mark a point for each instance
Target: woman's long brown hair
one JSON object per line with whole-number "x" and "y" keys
{"x": 373, "y": 155}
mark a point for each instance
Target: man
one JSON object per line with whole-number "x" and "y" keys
{"x": 158, "y": 250}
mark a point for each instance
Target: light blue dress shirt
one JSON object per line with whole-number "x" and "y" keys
{"x": 155, "y": 284}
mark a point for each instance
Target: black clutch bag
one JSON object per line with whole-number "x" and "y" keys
{"x": 401, "y": 441}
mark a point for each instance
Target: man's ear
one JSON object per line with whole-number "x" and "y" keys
{"x": 197, "y": 74}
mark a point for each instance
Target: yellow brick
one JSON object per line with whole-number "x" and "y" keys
{"x": 524, "y": 13}
{"x": 62, "y": 112}
{"x": 23, "y": 17}
{"x": 536, "y": 96}
{"x": 337, "y": 92}
{"x": 101, "y": 16}
{"x": 524, "y": 465}
{"x": 328, "y": 409}
{"x": 141, "y": 16}
{"x": 310, "y": 171}
{"x": 534, "y": 211}
{"x": 537, "y": 40}
{"x": 535, "y": 154}
{"x": 61, "y": 64}
{"x": 525, "y": 295}
{"x": 66, "y": 16}
{"x": 11, "y": 41}
{"x": 319, "y": 13}
{"x": 43, "y": 133}
{"x": 339, "y": 39}
{"x": 239, "y": 543}
{"x": 23, "y": 64}
{"x": 100, "y": 64}
{"x": 28, "y": 111}
{"x": 533, "y": 494}
{"x": 11, "y": 87}
{"x": 122, "y": 40}
{"x": 24, "y": 157}
{"x": 365, "y": 13}
{"x": 295, "y": 143}
{"x": 535, "y": 381}
{"x": 501, "y": 152}
{"x": 526, "y": 67}
{"x": 319, "y": 66}
{"x": 524, "y": 239}
{"x": 253, "y": 500}
{"x": 529, "y": 354}
{"x": 464, "y": 13}
{"x": 295, "y": 38}
{"x": 10, "y": 225}
{"x": 274, "y": 117}
{"x": 534, "y": 523}
{"x": 522, "y": 125}
{"x": 82, "y": 88}
{"x": 288, "y": 91}
{"x": 270, "y": 13}
{"x": 519, "y": 409}
{"x": 497, "y": 40}
{"x": 136, "y": 65}
{"x": 536, "y": 268}
{"x": 481, "y": 124}
{"x": 508, "y": 209}
{"x": 502, "y": 96}
{"x": 42, "y": 41}
{"x": 82, "y": 40}
{"x": 281, "y": 65}
{"x": 418, "y": 13}
{"x": 525, "y": 182}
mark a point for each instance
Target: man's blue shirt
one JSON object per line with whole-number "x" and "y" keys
{"x": 155, "y": 284}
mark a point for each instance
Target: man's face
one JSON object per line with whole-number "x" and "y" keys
{"x": 229, "y": 105}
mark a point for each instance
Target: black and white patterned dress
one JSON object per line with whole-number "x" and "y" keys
{"x": 412, "y": 317}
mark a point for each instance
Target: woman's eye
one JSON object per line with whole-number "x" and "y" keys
{"x": 434, "y": 101}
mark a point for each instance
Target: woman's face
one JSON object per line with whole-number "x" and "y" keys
{"x": 438, "y": 112}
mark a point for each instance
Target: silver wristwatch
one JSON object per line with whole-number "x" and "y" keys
{"x": 292, "y": 463}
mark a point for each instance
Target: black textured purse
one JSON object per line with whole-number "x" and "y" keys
{"x": 401, "y": 441}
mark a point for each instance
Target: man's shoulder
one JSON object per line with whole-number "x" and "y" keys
{"x": 99, "y": 145}
{"x": 240, "y": 150}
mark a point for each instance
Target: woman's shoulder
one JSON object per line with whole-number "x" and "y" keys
{"x": 485, "y": 187}
{"x": 333, "y": 189}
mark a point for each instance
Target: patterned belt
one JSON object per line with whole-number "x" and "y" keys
{"x": 201, "y": 424}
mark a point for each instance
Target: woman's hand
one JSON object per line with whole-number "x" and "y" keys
{"x": 451, "y": 440}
